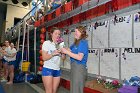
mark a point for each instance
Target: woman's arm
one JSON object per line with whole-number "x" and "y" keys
{"x": 11, "y": 55}
{"x": 4, "y": 53}
{"x": 47, "y": 56}
{"x": 78, "y": 56}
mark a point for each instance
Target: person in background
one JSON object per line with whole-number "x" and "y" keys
{"x": 1, "y": 56}
{"x": 78, "y": 53}
{"x": 11, "y": 61}
{"x": 51, "y": 56}
{"x": 3, "y": 46}
{"x": 54, "y": 4}
{"x": 5, "y": 60}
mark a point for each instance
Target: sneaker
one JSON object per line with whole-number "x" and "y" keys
{"x": 3, "y": 80}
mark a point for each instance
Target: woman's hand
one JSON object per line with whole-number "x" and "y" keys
{"x": 4, "y": 53}
{"x": 47, "y": 56}
{"x": 55, "y": 52}
{"x": 68, "y": 49}
{"x": 64, "y": 50}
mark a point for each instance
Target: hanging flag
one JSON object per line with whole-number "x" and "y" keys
{"x": 80, "y": 2}
{"x": 135, "y": 1}
{"x": 82, "y": 17}
{"x": 68, "y": 7}
{"x": 49, "y": 17}
{"x": 89, "y": 14}
{"x": 75, "y": 19}
{"x": 58, "y": 11}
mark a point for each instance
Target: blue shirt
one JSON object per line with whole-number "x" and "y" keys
{"x": 81, "y": 48}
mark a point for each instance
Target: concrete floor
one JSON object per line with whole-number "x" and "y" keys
{"x": 33, "y": 88}
{"x": 18, "y": 88}
{"x": 60, "y": 90}
{"x": 26, "y": 88}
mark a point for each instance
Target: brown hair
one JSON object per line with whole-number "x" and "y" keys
{"x": 3, "y": 44}
{"x": 51, "y": 32}
{"x": 84, "y": 35}
{"x": 7, "y": 41}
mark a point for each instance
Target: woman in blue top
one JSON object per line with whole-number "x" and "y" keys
{"x": 78, "y": 53}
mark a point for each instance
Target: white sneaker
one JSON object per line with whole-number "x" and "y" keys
{"x": 3, "y": 80}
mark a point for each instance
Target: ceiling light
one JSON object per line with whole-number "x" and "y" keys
{"x": 15, "y": 2}
{"x": 24, "y": 4}
{"x": 4, "y": 0}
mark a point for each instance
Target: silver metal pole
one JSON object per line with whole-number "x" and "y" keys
{"x": 28, "y": 42}
{"x": 35, "y": 50}
{"x": 24, "y": 32}
{"x": 45, "y": 6}
{"x": 18, "y": 38}
{"x": 45, "y": 2}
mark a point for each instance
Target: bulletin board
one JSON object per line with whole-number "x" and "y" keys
{"x": 121, "y": 31}
{"x": 136, "y": 30}
{"x": 93, "y": 61}
{"x": 89, "y": 33}
{"x": 109, "y": 62}
{"x": 100, "y": 34}
{"x": 130, "y": 62}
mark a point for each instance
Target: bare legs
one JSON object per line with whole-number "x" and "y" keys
{"x": 51, "y": 83}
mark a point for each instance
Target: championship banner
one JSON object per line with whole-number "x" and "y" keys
{"x": 109, "y": 62}
{"x": 121, "y": 31}
{"x": 136, "y": 29}
{"x": 93, "y": 61}
{"x": 130, "y": 62}
{"x": 100, "y": 34}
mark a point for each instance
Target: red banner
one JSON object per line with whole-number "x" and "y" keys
{"x": 61, "y": 25}
{"x": 69, "y": 21}
{"x": 135, "y": 1}
{"x": 49, "y": 17}
{"x": 95, "y": 12}
{"x": 124, "y": 3}
{"x": 37, "y": 23}
{"x": 53, "y": 14}
{"x": 65, "y": 22}
{"x": 75, "y": 4}
{"x": 89, "y": 14}
{"x": 101, "y": 10}
{"x": 58, "y": 11}
{"x": 114, "y": 5}
{"x": 68, "y": 7}
{"x": 82, "y": 16}
{"x": 108, "y": 7}
{"x": 46, "y": 18}
{"x": 80, "y": 2}
{"x": 62, "y": 9}
{"x": 55, "y": 25}
{"x": 75, "y": 19}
